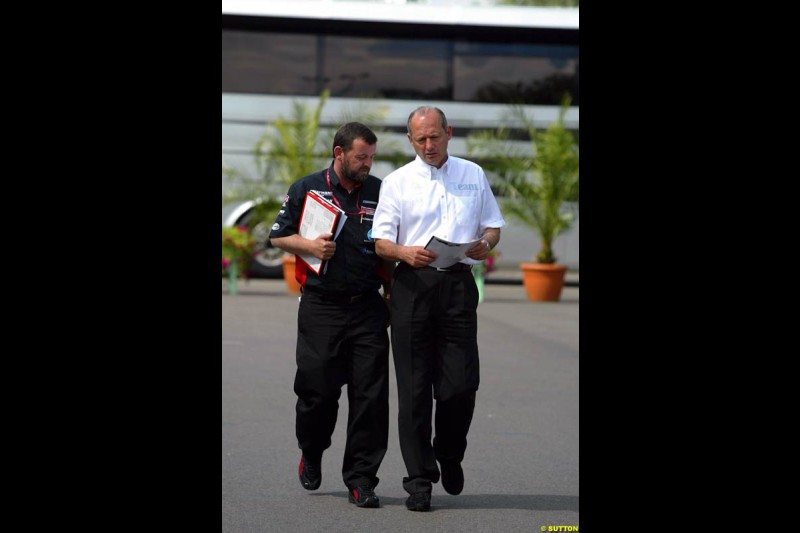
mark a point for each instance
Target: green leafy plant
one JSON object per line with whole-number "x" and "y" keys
{"x": 296, "y": 149}
{"x": 538, "y": 184}
{"x": 238, "y": 246}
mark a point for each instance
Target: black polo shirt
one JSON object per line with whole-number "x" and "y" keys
{"x": 354, "y": 266}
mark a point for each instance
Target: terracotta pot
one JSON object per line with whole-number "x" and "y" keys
{"x": 288, "y": 274}
{"x": 543, "y": 282}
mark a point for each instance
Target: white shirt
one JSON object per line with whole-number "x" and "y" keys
{"x": 418, "y": 201}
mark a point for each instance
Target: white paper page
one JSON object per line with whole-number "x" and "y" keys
{"x": 317, "y": 219}
{"x": 449, "y": 253}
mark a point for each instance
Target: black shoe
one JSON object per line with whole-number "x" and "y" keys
{"x": 452, "y": 477}
{"x": 363, "y": 496}
{"x": 419, "y": 501}
{"x": 310, "y": 473}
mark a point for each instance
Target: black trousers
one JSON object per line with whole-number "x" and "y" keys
{"x": 343, "y": 344}
{"x": 435, "y": 349}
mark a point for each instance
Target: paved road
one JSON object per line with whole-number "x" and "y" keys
{"x": 521, "y": 466}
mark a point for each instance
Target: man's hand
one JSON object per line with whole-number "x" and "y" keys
{"x": 418, "y": 256}
{"x": 323, "y": 247}
{"x": 480, "y": 251}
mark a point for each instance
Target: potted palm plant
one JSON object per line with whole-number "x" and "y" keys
{"x": 537, "y": 185}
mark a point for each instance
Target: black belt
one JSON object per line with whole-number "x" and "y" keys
{"x": 458, "y": 267}
{"x": 338, "y": 297}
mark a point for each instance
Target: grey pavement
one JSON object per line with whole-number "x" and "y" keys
{"x": 521, "y": 466}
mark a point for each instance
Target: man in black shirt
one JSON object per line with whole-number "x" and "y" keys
{"x": 342, "y": 319}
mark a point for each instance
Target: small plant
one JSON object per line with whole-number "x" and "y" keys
{"x": 238, "y": 246}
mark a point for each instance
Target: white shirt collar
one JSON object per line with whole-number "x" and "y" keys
{"x": 430, "y": 171}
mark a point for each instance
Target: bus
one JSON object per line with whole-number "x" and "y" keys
{"x": 471, "y": 61}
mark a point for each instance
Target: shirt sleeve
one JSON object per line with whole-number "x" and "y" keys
{"x": 491, "y": 217}
{"x": 387, "y": 214}
{"x": 288, "y": 220}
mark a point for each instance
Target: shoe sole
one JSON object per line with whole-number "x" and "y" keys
{"x": 450, "y": 490}
{"x": 419, "y": 508}
{"x": 309, "y": 486}
{"x": 369, "y": 504}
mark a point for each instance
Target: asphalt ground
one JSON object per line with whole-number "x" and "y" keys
{"x": 521, "y": 466}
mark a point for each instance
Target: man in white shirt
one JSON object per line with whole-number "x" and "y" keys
{"x": 434, "y": 320}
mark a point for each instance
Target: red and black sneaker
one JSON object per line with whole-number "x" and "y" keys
{"x": 363, "y": 496}
{"x": 310, "y": 473}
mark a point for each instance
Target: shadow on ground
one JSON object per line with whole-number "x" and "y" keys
{"x": 529, "y": 502}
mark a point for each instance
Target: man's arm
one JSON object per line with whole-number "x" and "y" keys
{"x": 492, "y": 236}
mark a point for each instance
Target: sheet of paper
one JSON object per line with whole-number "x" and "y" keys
{"x": 319, "y": 216}
{"x": 449, "y": 253}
